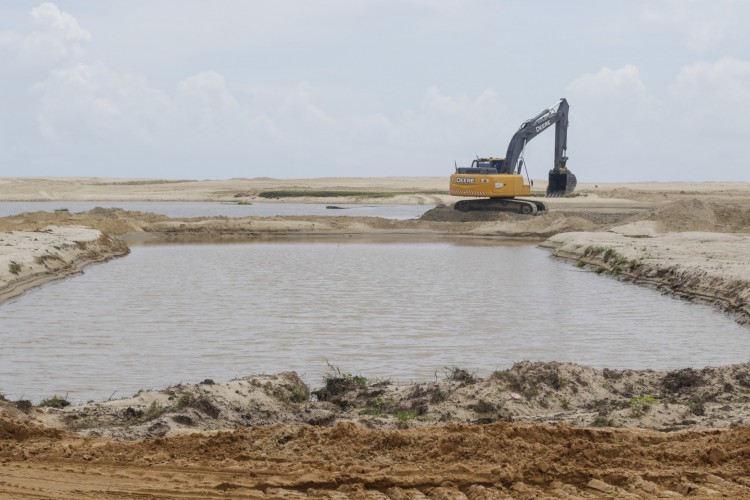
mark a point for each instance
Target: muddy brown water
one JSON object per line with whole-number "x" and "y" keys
{"x": 404, "y": 311}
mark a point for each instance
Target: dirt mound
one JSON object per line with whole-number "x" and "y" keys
{"x": 443, "y": 213}
{"x": 543, "y": 392}
{"x": 113, "y": 221}
{"x": 697, "y": 215}
{"x": 499, "y": 460}
{"x": 16, "y": 422}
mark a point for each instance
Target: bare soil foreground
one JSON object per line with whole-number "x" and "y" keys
{"x": 536, "y": 430}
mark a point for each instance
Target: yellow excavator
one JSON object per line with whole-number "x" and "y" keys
{"x": 498, "y": 181}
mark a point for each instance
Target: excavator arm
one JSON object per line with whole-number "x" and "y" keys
{"x": 555, "y": 115}
{"x": 561, "y": 181}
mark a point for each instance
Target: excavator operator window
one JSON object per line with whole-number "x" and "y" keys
{"x": 483, "y": 164}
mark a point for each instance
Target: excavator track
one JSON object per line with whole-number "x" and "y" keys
{"x": 510, "y": 205}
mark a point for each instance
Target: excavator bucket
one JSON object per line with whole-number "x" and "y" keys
{"x": 560, "y": 184}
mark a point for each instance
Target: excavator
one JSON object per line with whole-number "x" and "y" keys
{"x": 497, "y": 181}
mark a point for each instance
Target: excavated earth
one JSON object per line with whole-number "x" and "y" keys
{"x": 536, "y": 430}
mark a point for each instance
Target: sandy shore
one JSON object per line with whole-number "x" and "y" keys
{"x": 555, "y": 429}
{"x": 33, "y": 258}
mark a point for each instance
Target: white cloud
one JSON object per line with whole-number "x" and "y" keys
{"x": 57, "y": 38}
{"x": 84, "y": 104}
{"x": 434, "y": 100}
{"x": 609, "y": 82}
{"x": 63, "y": 22}
{"x": 700, "y": 25}
{"x": 613, "y": 117}
{"x": 299, "y": 104}
{"x": 726, "y": 80}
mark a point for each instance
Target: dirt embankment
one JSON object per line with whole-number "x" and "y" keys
{"x": 346, "y": 460}
{"x": 461, "y": 437}
{"x": 552, "y": 392}
{"x": 31, "y": 258}
{"x": 692, "y": 249}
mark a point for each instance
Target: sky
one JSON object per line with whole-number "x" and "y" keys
{"x": 659, "y": 90}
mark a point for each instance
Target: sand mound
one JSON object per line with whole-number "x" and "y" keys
{"x": 528, "y": 392}
{"x": 696, "y": 215}
{"x": 113, "y": 221}
{"x": 443, "y": 213}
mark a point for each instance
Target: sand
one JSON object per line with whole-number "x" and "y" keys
{"x": 536, "y": 430}
{"x": 32, "y": 258}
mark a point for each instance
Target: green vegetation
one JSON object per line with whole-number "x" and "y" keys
{"x": 557, "y": 380}
{"x": 405, "y": 416}
{"x": 14, "y": 267}
{"x": 154, "y": 411}
{"x": 290, "y": 193}
{"x": 55, "y": 402}
{"x": 602, "y": 422}
{"x": 454, "y": 373}
{"x": 380, "y": 405}
{"x": 565, "y": 403}
{"x": 300, "y": 394}
{"x": 641, "y": 404}
{"x": 617, "y": 262}
{"x": 580, "y": 264}
{"x": 336, "y": 383}
{"x": 593, "y": 251}
{"x": 183, "y": 401}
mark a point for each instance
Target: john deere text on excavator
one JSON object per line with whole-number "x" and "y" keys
{"x": 499, "y": 180}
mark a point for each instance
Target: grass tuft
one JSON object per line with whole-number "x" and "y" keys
{"x": 14, "y": 267}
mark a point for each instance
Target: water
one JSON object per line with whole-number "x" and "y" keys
{"x": 215, "y": 209}
{"x": 183, "y": 313}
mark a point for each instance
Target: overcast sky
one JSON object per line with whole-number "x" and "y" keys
{"x": 659, "y": 90}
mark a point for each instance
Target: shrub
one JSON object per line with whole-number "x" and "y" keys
{"x": 459, "y": 375}
{"x": 55, "y": 402}
{"x": 640, "y": 404}
{"x": 405, "y": 416}
{"x": 14, "y": 267}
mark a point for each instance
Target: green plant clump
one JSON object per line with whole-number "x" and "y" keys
{"x": 14, "y": 267}
{"x": 602, "y": 422}
{"x": 337, "y": 383}
{"x": 405, "y": 416}
{"x": 592, "y": 251}
{"x": 641, "y": 404}
{"x": 183, "y": 401}
{"x": 55, "y": 402}
{"x": 154, "y": 411}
